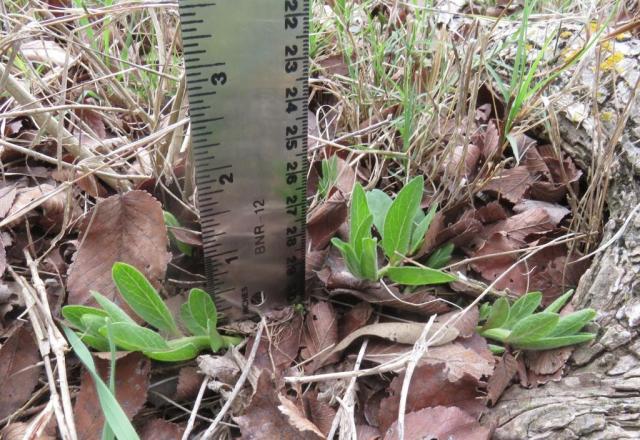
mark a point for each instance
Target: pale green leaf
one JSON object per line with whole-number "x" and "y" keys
{"x": 532, "y": 328}
{"x": 379, "y": 203}
{"x": 350, "y": 258}
{"x": 133, "y": 337}
{"x": 573, "y": 322}
{"x": 359, "y": 216}
{"x": 215, "y": 340}
{"x": 523, "y": 307}
{"x": 113, "y": 310}
{"x": 74, "y": 313}
{"x": 202, "y": 307}
{"x": 550, "y": 342}
{"x": 171, "y": 221}
{"x": 441, "y": 256}
{"x": 398, "y": 223}
{"x": 369, "y": 259}
{"x": 498, "y": 315}
{"x": 420, "y": 229}
{"x": 418, "y": 276}
{"x": 555, "y": 306}
{"x": 142, "y": 297}
{"x": 182, "y": 352}
{"x": 189, "y": 321}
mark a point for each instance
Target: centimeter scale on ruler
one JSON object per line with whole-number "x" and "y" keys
{"x": 247, "y": 77}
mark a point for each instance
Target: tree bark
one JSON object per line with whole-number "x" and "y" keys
{"x": 599, "y": 396}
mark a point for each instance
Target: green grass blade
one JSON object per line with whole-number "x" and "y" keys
{"x": 113, "y": 413}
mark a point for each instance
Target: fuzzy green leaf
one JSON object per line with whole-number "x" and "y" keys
{"x": 360, "y": 219}
{"x": 143, "y": 299}
{"x": 369, "y": 259}
{"x": 182, "y": 352}
{"x": 420, "y": 229}
{"x": 113, "y": 310}
{"x": 133, "y": 337}
{"x": 350, "y": 258}
{"x": 532, "y": 328}
{"x": 189, "y": 321}
{"x": 171, "y": 221}
{"x": 573, "y": 322}
{"x": 523, "y": 307}
{"x": 202, "y": 307}
{"x": 74, "y": 313}
{"x": 499, "y": 334}
{"x": 398, "y": 224}
{"x": 418, "y": 276}
{"x": 93, "y": 323}
{"x": 230, "y": 341}
{"x": 498, "y": 315}
{"x": 98, "y": 342}
{"x": 379, "y": 203}
{"x": 555, "y": 306}
{"x": 550, "y": 342}
{"x": 215, "y": 340}
{"x": 441, "y": 256}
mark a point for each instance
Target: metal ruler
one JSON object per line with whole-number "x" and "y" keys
{"x": 247, "y": 69}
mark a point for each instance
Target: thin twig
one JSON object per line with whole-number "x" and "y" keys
{"x": 194, "y": 411}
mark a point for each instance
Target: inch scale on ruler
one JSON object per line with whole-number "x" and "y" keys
{"x": 247, "y": 68}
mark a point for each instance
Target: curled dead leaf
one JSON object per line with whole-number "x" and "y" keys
{"x": 161, "y": 429}
{"x": 320, "y": 333}
{"x": 441, "y": 423}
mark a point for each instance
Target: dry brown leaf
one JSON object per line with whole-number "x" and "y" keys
{"x": 132, "y": 383}
{"x": 464, "y": 321}
{"x": 88, "y": 183}
{"x": 189, "y": 381}
{"x": 366, "y": 432}
{"x": 534, "y": 222}
{"x": 325, "y": 220}
{"x": 334, "y": 65}
{"x": 491, "y": 212}
{"x": 278, "y": 350}
{"x": 356, "y": 317}
{"x": 220, "y": 368}
{"x": 3, "y": 256}
{"x": 187, "y": 236}
{"x": 93, "y": 118}
{"x": 463, "y": 161}
{"x": 493, "y": 266}
{"x": 45, "y": 52}
{"x": 298, "y": 420}
{"x": 128, "y": 228}
{"x": 555, "y": 212}
{"x": 501, "y": 378}
{"x": 399, "y": 332}
{"x": 17, "y": 431}
{"x": 51, "y": 211}
{"x": 430, "y": 387}
{"x": 320, "y": 333}
{"x": 440, "y": 423}
{"x": 263, "y": 420}
{"x": 7, "y": 196}
{"x": 320, "y": 413}
{"x": 161, "y": 429}
{"x": 490, "y": 147}
{"x": 19, "y": 369}
{"x": 511, "y": 183}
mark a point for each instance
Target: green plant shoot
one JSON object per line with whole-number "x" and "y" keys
{"x": 100, "y": 327}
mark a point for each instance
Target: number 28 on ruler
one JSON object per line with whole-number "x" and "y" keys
{"x": 247, "y": 69}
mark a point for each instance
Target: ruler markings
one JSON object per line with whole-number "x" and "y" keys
{"x": 268, "y": 163}
{"x": 196, "y": 5}
{"x": 197, "y": 37}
